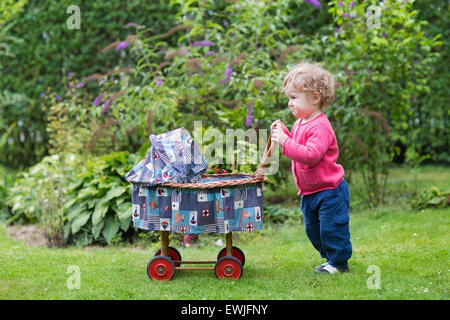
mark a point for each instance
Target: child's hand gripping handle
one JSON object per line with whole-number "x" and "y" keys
{"x": 265, "y": 158}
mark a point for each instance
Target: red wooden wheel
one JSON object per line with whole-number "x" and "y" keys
{"x": 228, "y": 268}
{"x": 236, "y": 252}
{"x": 174, "y": 254}
{"x": 161, "y": 268}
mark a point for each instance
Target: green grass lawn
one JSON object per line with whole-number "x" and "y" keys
{"x": 411, "y": 250}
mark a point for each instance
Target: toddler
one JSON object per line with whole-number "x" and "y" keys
{"x": 313, "y": 149}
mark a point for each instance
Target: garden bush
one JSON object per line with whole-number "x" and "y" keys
{"x": 24, "y": 197}
{"x": 430, "y": 198}
{"x": 430, "y": 114}
{"x": 99, "y": 200}
{"x": 42, "y": 52}
{"x": 76, "y": 200}
{"x": 381, "y": 71}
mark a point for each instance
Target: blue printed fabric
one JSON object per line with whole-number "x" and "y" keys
{"x": 195, "y": 211}
{"x": 173, "y": 157}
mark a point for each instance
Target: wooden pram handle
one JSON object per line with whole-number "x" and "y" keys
{"x": 265, "y": 158}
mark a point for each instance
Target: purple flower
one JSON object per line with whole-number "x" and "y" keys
{"x": 352, "y": 4}
{"x": 42, "y": 95}
{"x": 80, "y": 85}
{"x": 344, "y": 15}
{"x": 122, "y": 45}
{"x": 210, "y": 53}
{"x": 69, "y": 73}
{"x": 341, "y": 4}
{"x": 249, "y": 120}
{"x": 205, "y": 43}
{"x": 228, "y": 72}
{"x": 106, "y": 106}
{"x": 315, "y": 3}
{"x": 158, "y": 82}
{"x": 98, "y": 99}
{"x": 132, "y": 24}
{"x": 58, "y": 97}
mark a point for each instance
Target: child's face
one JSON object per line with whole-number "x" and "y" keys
{"x": 302, "y": 104}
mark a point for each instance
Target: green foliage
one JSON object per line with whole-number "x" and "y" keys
{"x": 431, "y": 198}
{"x": 9, "y": 9}
{"x": 270, "y": 35}
{"x": 431, "y": 114}
{"x": 48, "y": 51}
{"x": 7, "y": 178}
{"x": 380, "y": 72}
{"x": 73, "y": 128}
{"x": 229, "y": 72}
{"x": 278, "y": 214}
{"x": 98, "y": 206}
{"x": 77, "y": 201}
{"x": 41, "y": 182}
{"x": 51, "y": 199}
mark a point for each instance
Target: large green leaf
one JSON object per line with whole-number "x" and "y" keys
{"x": 74, "y": 185}
{"x": 124, "y": 215}
{"x": 80, "y": 221}
{"x": 97, "y": 229}
{"x": 114, "y": 193}
{"x": 124, "y": 211}
{"x": 99, "y": 213}
{"x": 121, "y": 199}
{"x": 75, "y": 210}
{"x": 111, "y": 228}
{"x": 87, "y": 192}
{"x": 125, "y": 223}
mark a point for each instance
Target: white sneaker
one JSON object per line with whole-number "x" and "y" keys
{"x": 328, "y": 268}
{"x": 320, "y": 266}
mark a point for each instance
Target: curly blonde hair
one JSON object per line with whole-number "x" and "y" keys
{"x": 311, "y": 77}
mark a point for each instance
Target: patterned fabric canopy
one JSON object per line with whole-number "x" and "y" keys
{"x": 173, "y": 157}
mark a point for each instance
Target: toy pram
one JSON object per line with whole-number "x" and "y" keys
{"x": 171, "y": 195}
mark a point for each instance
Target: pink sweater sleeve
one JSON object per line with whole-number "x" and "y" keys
{"x": 287, "y": 132}
{"x": 317, "y": 143}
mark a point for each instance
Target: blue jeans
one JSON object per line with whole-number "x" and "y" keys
{"x": 326, "y": 216}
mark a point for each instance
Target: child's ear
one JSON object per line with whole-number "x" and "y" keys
{"x": 315, "y": 97}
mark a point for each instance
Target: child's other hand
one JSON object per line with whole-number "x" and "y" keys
{"x": 278, "y": 135}
{"x": 277, "y": 123}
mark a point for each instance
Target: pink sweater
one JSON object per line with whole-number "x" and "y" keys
{"x": 313, "y": 149}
